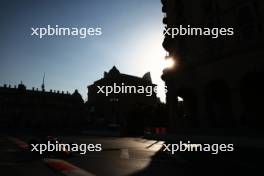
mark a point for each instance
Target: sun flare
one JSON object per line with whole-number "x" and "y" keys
{"x": 169, "y": 63}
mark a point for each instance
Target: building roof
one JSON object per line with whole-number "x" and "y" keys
{"x": 114, "y": 73}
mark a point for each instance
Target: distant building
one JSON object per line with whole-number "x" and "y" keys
{"x": 22, "y": 108}
{"x": 215, "y": 83}
{"x": 129, "y": 111}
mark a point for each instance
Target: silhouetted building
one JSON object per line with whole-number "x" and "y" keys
{"x": 130, "y": 111}
{"x": 216, "y": 82}
{"x": 39, "y": 109}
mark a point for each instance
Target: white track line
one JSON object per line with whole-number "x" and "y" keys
{"x": 59, "y": 165}
{"x": 21, "y": 144}
{"x": 66, "y": 168}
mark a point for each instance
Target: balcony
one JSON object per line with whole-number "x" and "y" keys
{"x": 163, "y": 2}
{"x": 167, "y": 44}
{"x": 165, "y": 20}
{"x": 164, "y": 9}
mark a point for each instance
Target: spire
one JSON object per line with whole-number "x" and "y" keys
{"x": 114, "y": 71}
{"x": 43, "y": 83}
{"x": 21, "y": 86}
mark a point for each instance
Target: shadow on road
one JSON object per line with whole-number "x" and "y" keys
{"x": 240, "y": 162}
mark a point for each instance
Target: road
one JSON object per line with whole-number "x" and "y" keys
{"x": 120, "y": 156}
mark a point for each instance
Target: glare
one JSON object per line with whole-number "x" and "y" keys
{"x": 169, "y": 62}
{"x": 151, "y": 61}
{"x": 180, "y": 99}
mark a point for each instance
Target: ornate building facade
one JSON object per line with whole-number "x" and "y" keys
{"x": 39, "y": 109}
{"x": 215, "y": 83}
{"x": 129, "y": 111}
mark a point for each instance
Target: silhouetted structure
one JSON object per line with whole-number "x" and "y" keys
{"x": 22, "y": 108}
{"x": 130, "y": 111}
{"x": 216, "y": 83}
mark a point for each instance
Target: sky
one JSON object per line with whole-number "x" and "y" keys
{"x": 131, "y": 40}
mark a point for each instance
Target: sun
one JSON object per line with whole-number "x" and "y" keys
{"x": 169, "y": 62}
